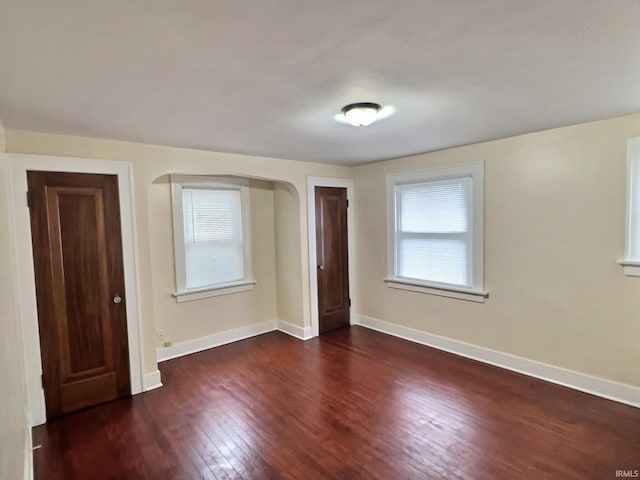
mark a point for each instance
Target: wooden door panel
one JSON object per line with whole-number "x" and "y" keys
{"x": 332, "y": 255}
{"x": 75, "y": 395}
{"x": 78, "y": 269}
{"x": 80, "y": 273}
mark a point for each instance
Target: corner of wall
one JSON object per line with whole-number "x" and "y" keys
{"x": 3, "y": 141}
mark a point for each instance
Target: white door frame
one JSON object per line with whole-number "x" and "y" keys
{"x": 313, "y": 182}
{"x": 20, "y": 164}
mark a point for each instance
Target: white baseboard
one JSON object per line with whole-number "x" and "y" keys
{"x": 600, "y": 387}
{"x": 215, "y": 340}
{"x": 303, "y": 333}
{"x": 151, "y": 381}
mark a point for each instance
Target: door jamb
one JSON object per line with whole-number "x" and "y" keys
{"x": 313, "y": 182}
{"x": 20, "y": 164}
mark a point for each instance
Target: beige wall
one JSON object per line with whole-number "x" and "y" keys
{"x": 554, "y": 228}
{"x": 151, "y": 163}
{"x": 288, "y": 268}
{"x": 13, "y": 414}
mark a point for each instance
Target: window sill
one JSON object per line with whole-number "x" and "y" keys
{"x": 631, "y": 267}
{"x": 452, "y": 292}
{"x": 225, "y": 289}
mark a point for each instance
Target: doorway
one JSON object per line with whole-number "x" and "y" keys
{"x": 79, "y": 277}
{"x": 332, "y": 258}
{"x": 20, "y": 164}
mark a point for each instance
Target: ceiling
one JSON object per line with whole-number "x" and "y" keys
{"x": 267, "y": 77}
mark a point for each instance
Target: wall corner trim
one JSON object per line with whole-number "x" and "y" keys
{"x": 303, "y": 333}
{"x": 600, "y": 387}
{"x": 151, "y": 381}
{"x": 28, "y": 453}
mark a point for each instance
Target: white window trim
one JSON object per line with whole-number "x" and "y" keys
{"x": 178, "y": 183}
{"x": 475, "y": 170}
{"x": 631, "y": 260}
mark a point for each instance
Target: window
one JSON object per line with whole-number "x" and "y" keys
{"x": 211, "y": 236}
{"x": 631, "y": 260}
{"x": 436, "y": 231}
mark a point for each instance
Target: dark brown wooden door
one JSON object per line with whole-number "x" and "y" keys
{"x": 332, "y": 257}
{"x": 77, "y": 251}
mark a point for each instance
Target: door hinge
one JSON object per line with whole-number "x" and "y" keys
{"x": 28, "y": 200}
{"x": 347, "y": 203}
{"x": 349, "y": 302}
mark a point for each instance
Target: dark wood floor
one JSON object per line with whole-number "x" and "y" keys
{"x": 352, "y": 404}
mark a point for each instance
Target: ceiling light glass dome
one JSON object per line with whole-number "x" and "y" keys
{"x": 361, "y": 114}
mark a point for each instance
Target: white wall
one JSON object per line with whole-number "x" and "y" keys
{"x": 554, "y": 228}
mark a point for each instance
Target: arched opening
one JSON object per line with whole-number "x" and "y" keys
{"x": 276, "y": 298}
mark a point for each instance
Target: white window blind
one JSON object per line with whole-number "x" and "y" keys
{"x": 213, "y": 236}
{"x": 434, "y": 231}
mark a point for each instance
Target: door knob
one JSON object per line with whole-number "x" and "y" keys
{"x": 117, "y": 299}
{"x": 321, "y": 267}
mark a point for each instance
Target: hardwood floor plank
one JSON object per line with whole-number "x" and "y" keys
{"x": 352, "y": 404}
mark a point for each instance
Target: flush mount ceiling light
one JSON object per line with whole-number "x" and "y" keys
{"x": 361, "y": 114}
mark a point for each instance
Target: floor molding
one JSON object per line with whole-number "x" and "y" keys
{"x": 151, "y": 381}
{"x": 600, "y": 387}
{"x": 217, "y": 339}
{"x": 303, "y": 333}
